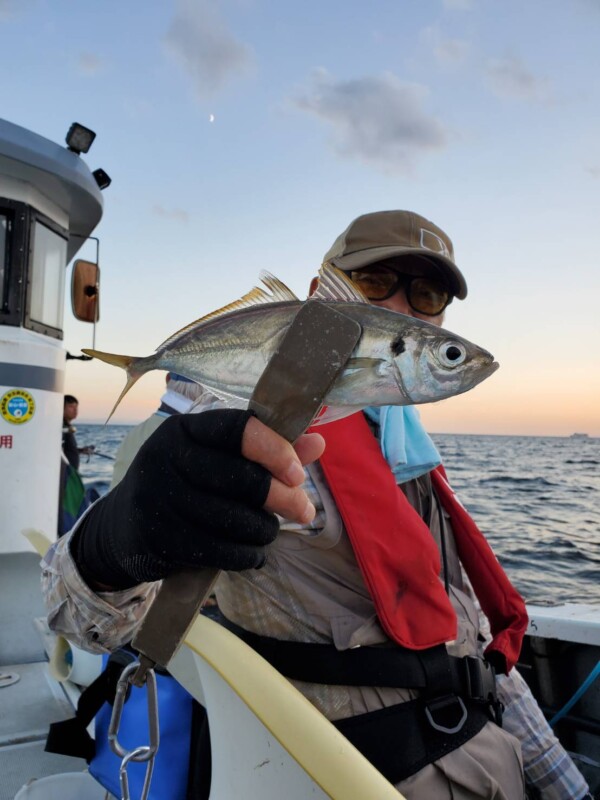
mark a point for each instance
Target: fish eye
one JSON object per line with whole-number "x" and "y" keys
{"x": 452, "y": 354}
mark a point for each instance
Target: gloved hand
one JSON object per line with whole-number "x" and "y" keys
{"x": 189, "y": 499}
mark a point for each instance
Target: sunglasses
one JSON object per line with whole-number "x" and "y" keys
{"x": 426, "y": 296}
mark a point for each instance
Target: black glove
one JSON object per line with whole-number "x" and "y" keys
{"x": 189, "y": 499}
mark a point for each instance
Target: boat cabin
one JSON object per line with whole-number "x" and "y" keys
{"x": 50, "y": 204}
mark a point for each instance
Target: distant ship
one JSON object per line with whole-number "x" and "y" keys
{"x": 580, "y": 436}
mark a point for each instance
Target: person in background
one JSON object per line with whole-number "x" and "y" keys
{"x": 300, "y": 552}
{"x": 69, "y": 442}
{"x": 73, "y": 498}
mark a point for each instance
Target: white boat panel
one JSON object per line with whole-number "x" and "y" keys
{"x": 571, "y": 622}
{"x": 24, "y": 192}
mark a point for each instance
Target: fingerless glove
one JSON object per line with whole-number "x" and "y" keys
{"x": 189, "y": 499}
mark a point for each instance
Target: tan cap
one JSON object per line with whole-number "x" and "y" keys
{"x": 384, "y": 234}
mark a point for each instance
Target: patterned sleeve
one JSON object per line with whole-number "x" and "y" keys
{"x": 547, "y": 764}
{"x": 97, "y": 622}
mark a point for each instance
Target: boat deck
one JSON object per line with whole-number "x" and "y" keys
{"x": 28, "y": 707}
{"x": 29, "y": 704}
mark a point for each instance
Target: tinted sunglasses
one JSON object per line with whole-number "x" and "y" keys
{"x": 426, "y": 296}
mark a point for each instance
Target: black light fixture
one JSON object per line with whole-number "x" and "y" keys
{"x": 79, "y": 138}
{"x": 102, "y": 179}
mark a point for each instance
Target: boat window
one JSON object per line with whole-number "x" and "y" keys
{"x": 47, "y": 277}
{"x": 3, "y": 261}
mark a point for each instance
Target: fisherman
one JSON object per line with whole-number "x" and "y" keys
{"x": 396, "y": 638}
{"x": 69, "y": 442}
{"x": 73, "y": 498}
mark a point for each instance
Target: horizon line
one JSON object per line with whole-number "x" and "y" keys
{"x": 575, "y": 435}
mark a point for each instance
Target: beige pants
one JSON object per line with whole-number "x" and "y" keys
{"x": 461, "y": 775}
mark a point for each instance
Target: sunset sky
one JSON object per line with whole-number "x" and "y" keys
{"x": 245, "y": 134}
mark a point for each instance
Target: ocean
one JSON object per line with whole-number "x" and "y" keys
{"x": 537, "y": 499}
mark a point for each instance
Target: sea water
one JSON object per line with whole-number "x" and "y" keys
{"x": 537, "y": 499}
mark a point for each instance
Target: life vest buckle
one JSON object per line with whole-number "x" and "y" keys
{"x": 481, "y": 680}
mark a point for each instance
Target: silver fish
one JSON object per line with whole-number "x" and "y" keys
{"x": 399, "y": 360}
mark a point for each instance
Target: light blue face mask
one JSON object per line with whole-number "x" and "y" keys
{"x": 405, "y": 444}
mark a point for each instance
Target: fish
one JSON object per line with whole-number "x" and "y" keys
{"x": 399, "y": 360}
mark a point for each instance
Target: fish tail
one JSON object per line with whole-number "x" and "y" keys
{"x": 131, "y": 365}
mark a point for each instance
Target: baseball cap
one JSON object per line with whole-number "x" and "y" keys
{"x": 385, "y": 234}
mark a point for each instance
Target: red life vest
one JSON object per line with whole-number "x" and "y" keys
{"x": 398, "y": 556}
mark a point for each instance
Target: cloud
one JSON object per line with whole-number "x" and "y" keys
{"x": 510, "y": 78}
{"x": 451, "y": 51}
{"x": 379, "y": 120}
{"x": 176, "y": 214}
{"x": 447, "y": 51}
{"x": 89, "y": 64}
{"x": 205, "y": 48}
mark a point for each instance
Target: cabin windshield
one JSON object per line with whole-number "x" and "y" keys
{"x": 47, "y": 276}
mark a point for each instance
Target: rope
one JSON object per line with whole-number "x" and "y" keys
{"x": 577, "y": 696}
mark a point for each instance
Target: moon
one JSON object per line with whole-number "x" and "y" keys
{"x": 211, "y": 117}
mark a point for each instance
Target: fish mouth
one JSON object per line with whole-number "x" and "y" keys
{"x": 485, "y": 371}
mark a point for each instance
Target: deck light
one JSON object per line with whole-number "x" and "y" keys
{"x": 102, "y": 179}
{"x": 79, "y": 138}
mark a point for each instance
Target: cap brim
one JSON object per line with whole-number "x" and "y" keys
{"x": 362, "y": 258}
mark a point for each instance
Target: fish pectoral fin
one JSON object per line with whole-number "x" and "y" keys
{"x": 363, "y": 362}
{"x": 333, "y": 413}
{"x": 230, "y": 400}
{"x": 336, "y": 285}
{"x": 354, "y": 380}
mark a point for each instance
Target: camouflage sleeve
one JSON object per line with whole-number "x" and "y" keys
{"x": 104, "y": 621}
{"x": 96, "y": 622}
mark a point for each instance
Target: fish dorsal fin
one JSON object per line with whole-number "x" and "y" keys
{"x": 277, "y": 288}
{"x": 278, "y": 292}
{"x": 336, "y": 285}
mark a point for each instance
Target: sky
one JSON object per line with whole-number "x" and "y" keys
{"x": 246, "y": 134}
